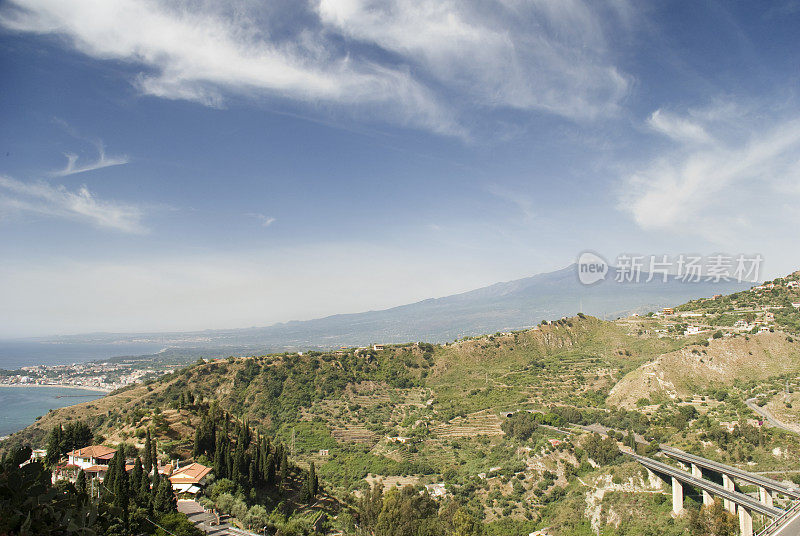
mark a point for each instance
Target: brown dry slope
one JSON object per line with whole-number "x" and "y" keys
{"x": 683, "y": 372}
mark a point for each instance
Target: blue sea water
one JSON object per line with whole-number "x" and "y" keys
{"x": 16, "y": 354}
{"x": 19, "y": 406}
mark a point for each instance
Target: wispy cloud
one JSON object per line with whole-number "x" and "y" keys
{"x": 719, "y": 181}
{"x": 59, "y": 202}
{"x": 422, "y": 63}
{"x": 549, "y": 56}
{"x": 265, "y": 221}
{"x": 103, "y": 161}
{"x": 678, "y": 128}
{"x": 519, "y": 200}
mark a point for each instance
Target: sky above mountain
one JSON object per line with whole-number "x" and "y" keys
{"x": 190, "y": 165}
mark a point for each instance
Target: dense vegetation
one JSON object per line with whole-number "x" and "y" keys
{"x": 518, "y": 431}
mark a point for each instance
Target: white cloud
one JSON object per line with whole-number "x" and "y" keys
{"x": 426, "y": 64}
{"x": 678, "y": 128}
{"x": 720, "y": 188}
{"x": 59, "y": 202}
{"x": 102, "y": 161}
{"x": 265, "y": 221}
{"x": 514, "y": 197}
{"x": 196, "y": 54}
{"x": 546, "y": 55}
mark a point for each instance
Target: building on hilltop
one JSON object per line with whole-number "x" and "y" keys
{"x": 90, "y": 456}
{"x": 189, "y": 480}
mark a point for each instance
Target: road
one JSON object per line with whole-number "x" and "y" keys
{"x": 203, "y": 520}
{"x": 751, "y": 403}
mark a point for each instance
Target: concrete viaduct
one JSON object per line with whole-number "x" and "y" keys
{"x": 782, "y": 522}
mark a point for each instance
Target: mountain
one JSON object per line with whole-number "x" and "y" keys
{"x": 500, "y": 307}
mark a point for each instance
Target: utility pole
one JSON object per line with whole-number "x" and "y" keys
{"x": 292, "y": 442}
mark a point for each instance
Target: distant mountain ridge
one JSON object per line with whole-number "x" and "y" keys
{"x": 499, "y": 307}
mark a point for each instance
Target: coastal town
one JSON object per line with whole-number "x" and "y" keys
{"x": 100, "y": 376}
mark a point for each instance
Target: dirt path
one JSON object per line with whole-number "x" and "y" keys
{"x": 751, "y": 403}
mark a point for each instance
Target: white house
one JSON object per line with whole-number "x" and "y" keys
{"x": 436, "y": 490}
{"x": 190, "y": 479}
{"x": 90, "y": 456}
{"x": 693, "y": 330}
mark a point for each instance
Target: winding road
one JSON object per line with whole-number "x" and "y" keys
{"x": 751, "y": 403}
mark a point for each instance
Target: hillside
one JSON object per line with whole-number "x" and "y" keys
{"x": 698, "y": 369}
{"x": 499, "y": 420}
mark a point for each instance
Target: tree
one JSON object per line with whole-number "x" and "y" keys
{"x": 31, "y": 506}
{"x": 154, "y": 454}
{"x": 148, "y": 454}
{"x": 165, "y": 502}
{"x": 464, "y": 524}
{"x": 137, "y": 474}
{"x": 81, "y": 487}
{"x": 121, "y": 487}
{"x": 284, "y": 467}
{"x": 369, "y": 507}
{"x": 53, "y": 446}
{"x": 713, "y": 520}
{"x": 408, "y": 513}
{"x": 520, "y": 425}
{"x": 313, "y": 482}
{"x": 178, "y": 525}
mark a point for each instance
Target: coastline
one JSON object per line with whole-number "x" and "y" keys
{"x": 105, "y": 390}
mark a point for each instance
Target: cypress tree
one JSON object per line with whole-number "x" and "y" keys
{"x": 313, "y": 483}
{"x": 219, "y": 459}
{"x": 121, "y": 488}
{"x": 81, "y": 487}
{"x": 155, "y": 454}
{"x": 270, "y": 476}
{"x": 165, "y": 501}
{"x": 148, "y": 454}
{"x": 156, "y": 483}
{"x": 145, "y": 497}
{"x": 136, "y": 477}
{"x": 252, "y": 474}
{"x": 111, "y": 474}
{"x": 197, "y": 438}
{"x": 54, "y": 441}
{"x": 284, "y": 467}
{"x": 240, "y": 465}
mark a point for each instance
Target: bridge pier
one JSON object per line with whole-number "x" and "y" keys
{"x": 677, "y": 496}
{"x": 727, "y": 483}
{"x": 698, "y": 472}
{"x": 745, "y": 522}
{"x": 765, "y": 496}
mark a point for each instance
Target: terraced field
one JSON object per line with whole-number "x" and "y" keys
{"x": 479, "y": 423}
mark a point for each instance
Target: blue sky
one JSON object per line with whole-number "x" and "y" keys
{"x": 192, "y": 165}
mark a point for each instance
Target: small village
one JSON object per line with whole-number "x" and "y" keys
{"x": 105, "y": 376}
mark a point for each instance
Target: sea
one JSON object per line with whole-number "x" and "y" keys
{"x": 19, "y": 406}
{"x": 16, "y": 353}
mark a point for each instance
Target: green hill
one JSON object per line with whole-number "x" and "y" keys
{"x": 426, "y": 414}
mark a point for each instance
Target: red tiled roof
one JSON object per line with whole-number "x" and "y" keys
{"x": 95, "y": 451}
{"x": 192, "y": 473}
{"x": 96, "y": 469}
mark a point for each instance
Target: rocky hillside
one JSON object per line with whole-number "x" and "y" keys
{"x": 698, "y": 368}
